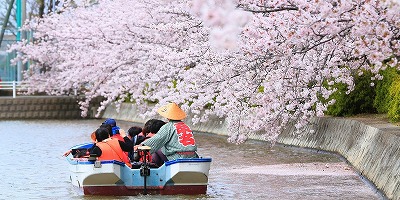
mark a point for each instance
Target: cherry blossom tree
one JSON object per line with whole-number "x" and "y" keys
{"x": 259, "y": 64}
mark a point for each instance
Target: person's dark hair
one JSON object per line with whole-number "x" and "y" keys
{"x": 156, "y": 125}
{"x": 134, "y": 130}
{"x": 102, "y": 134}
{"x": 146, "y": 127}
{"x": 108, "y": 127}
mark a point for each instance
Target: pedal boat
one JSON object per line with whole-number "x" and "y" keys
{"x": 115, "y": 178}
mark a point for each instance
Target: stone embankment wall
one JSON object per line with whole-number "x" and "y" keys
{"x": 371, "y": 146}
{"x": 41, "y": 107}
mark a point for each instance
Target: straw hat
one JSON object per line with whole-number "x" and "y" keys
{"x": 172, "y": 111}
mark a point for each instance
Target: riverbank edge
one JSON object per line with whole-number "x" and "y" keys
{"x": 370, "y": 145}
{"x": 45, "y": 107}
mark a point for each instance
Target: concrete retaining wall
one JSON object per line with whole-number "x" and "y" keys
{"x": 372, "y": 146}
{"x": 41, "y": 107}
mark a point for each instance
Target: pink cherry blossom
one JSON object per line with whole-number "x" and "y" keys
{"x": 258, "y": 64}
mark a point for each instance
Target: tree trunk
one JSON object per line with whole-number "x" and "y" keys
{"x": 41, "y": 8}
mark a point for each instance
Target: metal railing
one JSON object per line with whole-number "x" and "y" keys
{"x": 11, "y": 85}
{"x": 21, "y": 87}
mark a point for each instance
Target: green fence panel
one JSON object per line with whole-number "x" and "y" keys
{"x": 8, "y": 71}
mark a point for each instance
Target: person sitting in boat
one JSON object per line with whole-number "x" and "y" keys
{"x": 107, "y": 148}
{"x": 133, "y": 133}
{"x": 145, "y": 134}
{"x": 114, "y": 128}
{"x": 125, "y": 144}
{"x": 175, "y": 139}
{"x": 157, "y": 157}
{"x": 123, "y": 139}
{"x": 81, "y": 152}
{"x": 140, "y": 137}
{"x": 151, "y": 127}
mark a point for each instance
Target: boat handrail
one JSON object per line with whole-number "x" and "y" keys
{"x": 85, "y": 161}
{"x": 84, "y": 145}
{"x": 184, "y": 160}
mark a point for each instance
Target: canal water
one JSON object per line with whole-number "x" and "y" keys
{"x": 32, "y": 166}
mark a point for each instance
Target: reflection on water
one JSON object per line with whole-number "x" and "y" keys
{"x": 31, "y": 166}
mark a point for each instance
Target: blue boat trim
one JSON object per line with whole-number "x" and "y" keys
{"x": 85, "y": 162}
{"x": 171, "y": 162}
{"x": 184, "y": 160}
{"x": 83, "y": 146}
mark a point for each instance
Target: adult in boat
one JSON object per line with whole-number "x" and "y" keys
{"x": 107, "y": 148}
{"x": 175, "y": 138}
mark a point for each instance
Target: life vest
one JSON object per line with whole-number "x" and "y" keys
{"x": 111, "y": 150}
{"x": 148, "y": 156}
{"x": 119, "y": 137}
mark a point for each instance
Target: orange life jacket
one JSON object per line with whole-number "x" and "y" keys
{"x": 119, "y": 137}
{"x": 111, "y": 150}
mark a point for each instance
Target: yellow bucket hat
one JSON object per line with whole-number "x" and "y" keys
{"x": 172, "y": 111}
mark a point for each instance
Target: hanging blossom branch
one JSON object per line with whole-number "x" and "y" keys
{"x": 258, "y": 64}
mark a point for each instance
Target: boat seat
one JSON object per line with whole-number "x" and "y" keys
{"x": 137, "y": 165}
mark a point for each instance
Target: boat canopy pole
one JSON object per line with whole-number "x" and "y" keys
{"x": 3, "y": 28}
{"x": 144, "y": 169}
